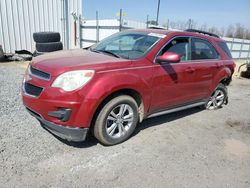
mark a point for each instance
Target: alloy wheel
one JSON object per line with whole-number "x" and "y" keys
{"x": 119, "y": 120}
{"x": 216, "y": 100}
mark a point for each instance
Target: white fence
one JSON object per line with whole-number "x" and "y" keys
{"x": 92, "y": 31}
{"x": 240, "y": 48}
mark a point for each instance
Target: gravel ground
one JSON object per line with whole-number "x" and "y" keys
{"x": 193, "y": 148}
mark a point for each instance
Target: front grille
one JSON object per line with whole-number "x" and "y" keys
{"x": 32, "y": 90}
{"x": 39, "y": 73}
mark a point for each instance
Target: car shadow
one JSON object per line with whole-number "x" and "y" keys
{"x": 155, "y": 121}
{"x": 165, "y": 119}
{"x": 89, "y": 141}
{"x": 170, "y": 71}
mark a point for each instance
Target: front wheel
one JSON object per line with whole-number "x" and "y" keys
{"x": 218, "y": 97}
{"x": 117, "y": 120}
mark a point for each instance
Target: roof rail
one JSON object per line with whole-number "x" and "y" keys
{"x": 202, "y": 32}
{"x": 156, "y": 27}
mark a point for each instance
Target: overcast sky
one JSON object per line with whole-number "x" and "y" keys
{"x": 219, "y": 13}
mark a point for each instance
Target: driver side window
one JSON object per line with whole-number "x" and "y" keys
{"x": 180, "y": 46}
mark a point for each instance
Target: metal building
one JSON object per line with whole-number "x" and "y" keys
{"x": 19, "y": 19}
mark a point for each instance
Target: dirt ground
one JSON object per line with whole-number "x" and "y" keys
{"x": 192, "y": 148}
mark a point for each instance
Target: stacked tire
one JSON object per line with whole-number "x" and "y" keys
{"x": 1, "y": 53}
{"x": 245, "y": 74}
{"x": 47, "y": 42}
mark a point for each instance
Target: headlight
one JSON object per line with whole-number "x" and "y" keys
{"x": 72, "y": 80}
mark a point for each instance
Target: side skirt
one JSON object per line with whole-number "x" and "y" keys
{"x": 176, "y": 109}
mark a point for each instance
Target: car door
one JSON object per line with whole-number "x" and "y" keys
{"x": 179, "y": 83}
{"x": 206, "y": 62}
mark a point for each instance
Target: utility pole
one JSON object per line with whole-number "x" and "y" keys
{"x": 97, "y": 26}
{"x": 190, "y": 24}
{"x": 158, "y": 9}
{"x": 147, "y": 21}
{"x": 66, "y": 22}
{"x": 120, "y": 19}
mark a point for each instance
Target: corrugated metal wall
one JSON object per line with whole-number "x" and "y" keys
{"x": 19, "y": 19}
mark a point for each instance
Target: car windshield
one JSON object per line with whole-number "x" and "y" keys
{"x": 128, "y": 45}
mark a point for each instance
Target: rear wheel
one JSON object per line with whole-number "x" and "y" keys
{"x": 218, "y": 97}
{"x": 117, "y": 120}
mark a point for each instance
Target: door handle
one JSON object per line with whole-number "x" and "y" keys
{"x": 217, "y": 65}
{"x": 190, "y": 70}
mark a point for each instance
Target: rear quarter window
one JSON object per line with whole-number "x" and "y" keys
{"x": 225, "y": 48}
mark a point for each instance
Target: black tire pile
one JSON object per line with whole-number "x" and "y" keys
{"x": 1, "y": 54}
{"x": 245, "y": 74}
{"x": 47, "y": 42}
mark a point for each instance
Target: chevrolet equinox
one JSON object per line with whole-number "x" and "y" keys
{"x": 110, "y": 87}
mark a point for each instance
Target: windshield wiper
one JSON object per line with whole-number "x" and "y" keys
{"x": 106, "y": 52}
{"x": 93, "y": 50}
{"x": 111, "y": 53}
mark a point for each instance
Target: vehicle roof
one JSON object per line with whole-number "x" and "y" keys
{"x": 166, "y": 32}
{"x": 158, "y": 31}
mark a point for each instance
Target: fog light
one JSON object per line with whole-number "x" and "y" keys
{"x": 63, "y": 114}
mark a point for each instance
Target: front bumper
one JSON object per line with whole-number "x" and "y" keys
{"x": 75, "y": 134}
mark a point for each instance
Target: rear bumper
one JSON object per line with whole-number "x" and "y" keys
{"x": 75, "y": 134}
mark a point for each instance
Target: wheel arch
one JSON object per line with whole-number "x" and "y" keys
{"x": 224, "y": 76}
{"x": 126, "y": 91}
{"x": 226, "y": 81}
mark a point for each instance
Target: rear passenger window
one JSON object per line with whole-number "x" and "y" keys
{"x": 225, "y": 48}
{"x": 202, "y": 49}
{"x": 179, "y": 46}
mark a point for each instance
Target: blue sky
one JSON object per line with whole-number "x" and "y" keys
{"x": 219, "y": 13}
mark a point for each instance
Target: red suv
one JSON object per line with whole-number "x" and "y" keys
{"x": 132, "y": 75}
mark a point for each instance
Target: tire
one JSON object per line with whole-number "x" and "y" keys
{"x": 44, "y": 37}
{"x": 218, "y": 98}
{"x": 1, "y": 53}
{"x": 111, "y": 120}
{"x": 49, "y": 47}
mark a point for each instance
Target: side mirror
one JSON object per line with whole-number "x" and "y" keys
{"x": 169, "y": 57}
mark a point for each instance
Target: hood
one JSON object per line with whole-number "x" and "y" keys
{"x": 67, "y": 60}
